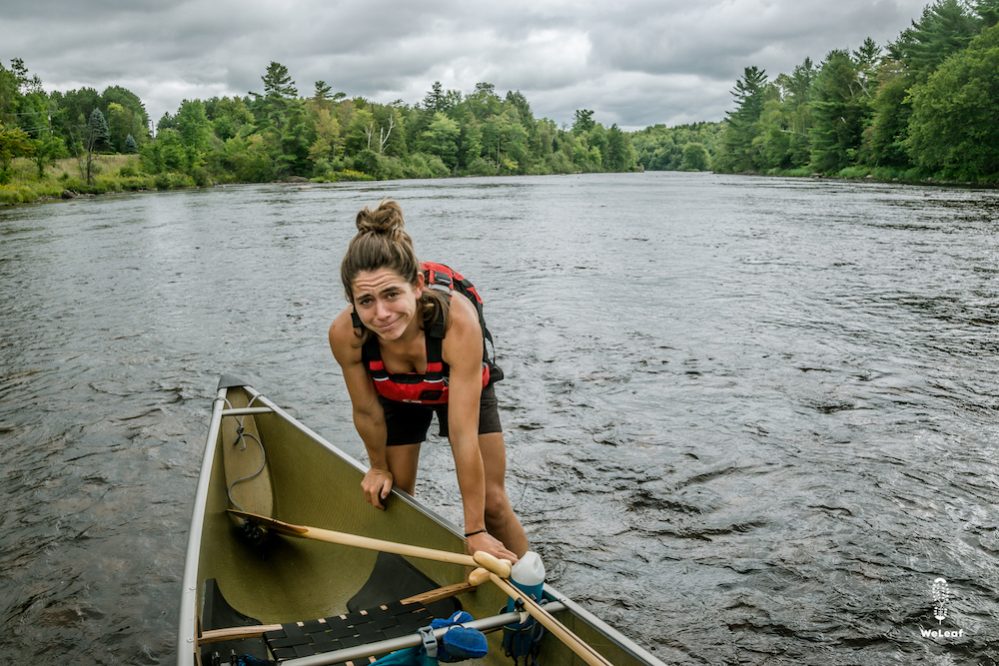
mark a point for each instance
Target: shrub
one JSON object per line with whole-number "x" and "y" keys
{"x": 350, "y": 174}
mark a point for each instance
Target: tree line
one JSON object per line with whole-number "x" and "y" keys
{"x": 927, "y": 105}
{"x": 275, "y": 133}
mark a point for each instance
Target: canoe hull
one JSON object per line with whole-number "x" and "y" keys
{"x": 308, "y": 481}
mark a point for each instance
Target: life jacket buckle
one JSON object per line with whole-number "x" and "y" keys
{"x": 441, "y": 282}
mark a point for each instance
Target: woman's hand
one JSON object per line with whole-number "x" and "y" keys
{"x": 484, "y": 542}
{"x": 376, "y": 485}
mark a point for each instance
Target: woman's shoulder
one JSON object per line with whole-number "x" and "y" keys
{"x": 461, "y": 312}
{"x": 344, "y": 340}
{"x": 463, "y": 333}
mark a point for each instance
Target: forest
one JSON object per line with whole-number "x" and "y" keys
{"x": 276, "y": 134}
{"x": 924, "y": 107}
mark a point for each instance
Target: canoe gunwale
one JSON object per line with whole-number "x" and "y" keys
{"x": 187, "y": 635}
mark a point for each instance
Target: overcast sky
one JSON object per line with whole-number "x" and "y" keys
{"x": 634, "y": 62}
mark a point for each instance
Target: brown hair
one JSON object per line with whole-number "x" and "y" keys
{"x": 382, "y": 242}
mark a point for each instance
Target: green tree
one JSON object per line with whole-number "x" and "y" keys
{"x": 248, "y": 159}
{"x": 96, "y": 135}
{"x": 954, "y": 128}
{"x": 583, "y": 121}
{"x": 867, "y": 59}
{"x": 737, "y": 152}
{"x": 296, "y": 138}
{"x": 120, "y": 125}
{"x": 484, "y": 102}
{"x": 46, "y": 148}
{"x": 620, "y": 155}
{"x": 72, "y": 111}
{"x": 195, "y": 133}
{"x": 15, "y": 86}
{"x": 884, "y": 142}
{"x": 469, "y": 143}
{"x": 358, "y": 134}
{"x": 504, "y": 141}
{"x": 229, "y": 116}
{"x": 324, "y": 97}
{"x": 436, "y": 100}
{"x": 797, "y": 92}
{"x": 279, "y": 92}
{"x": 10, "y": 96}
{"x": 695, "y": 158}
{"x": 945, "y": 27}
{"x": 987, "y": 12}
{"x": 837, "y": 114}
{"x": 14, "y": 142}
{"x": 132, "y": 119}
{"x": 441, "y": 139}
{"x": 326, "y": 148}
{"x": 772, "y": 143}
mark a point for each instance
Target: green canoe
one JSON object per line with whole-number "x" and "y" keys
{"x": 251, "y": 589}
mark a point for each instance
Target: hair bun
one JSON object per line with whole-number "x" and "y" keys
{"x": 386, "y": 219}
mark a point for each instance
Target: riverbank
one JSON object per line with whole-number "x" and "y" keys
{"x": 123, "y": 173}
{"x": 65, "y": 179}
{"x": 911, "y": 176}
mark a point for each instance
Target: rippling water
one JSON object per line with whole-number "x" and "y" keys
{"x": 750, "y": 420}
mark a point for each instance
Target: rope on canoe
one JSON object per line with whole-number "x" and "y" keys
{"x": 241, "y": 436}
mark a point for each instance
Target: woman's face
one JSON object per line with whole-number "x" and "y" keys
{"x": 386, "y": 302}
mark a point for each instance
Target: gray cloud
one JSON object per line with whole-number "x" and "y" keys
{"x": 635, "y": 62}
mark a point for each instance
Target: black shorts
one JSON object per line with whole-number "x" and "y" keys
{"x": 408, "y": 423}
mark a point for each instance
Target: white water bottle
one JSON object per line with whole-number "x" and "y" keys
{"x": 528, "y": 574}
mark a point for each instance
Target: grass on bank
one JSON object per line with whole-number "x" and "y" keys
{"x": 885, "y": 174}
{"x": 112, "y": 173}
{"x": 67, "y": 178}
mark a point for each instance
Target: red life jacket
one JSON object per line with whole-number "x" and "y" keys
{"x": 430, "y": 388}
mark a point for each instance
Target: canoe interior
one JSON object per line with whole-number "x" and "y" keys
{"x": 286, "y": 579}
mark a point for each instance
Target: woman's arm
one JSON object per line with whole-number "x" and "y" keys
{"x": 369, "y": 418}
{"x": 462, "y": 351}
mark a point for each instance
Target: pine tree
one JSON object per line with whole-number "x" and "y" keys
{"x": 737, "y": 141}
{"x": 95, "y": 135}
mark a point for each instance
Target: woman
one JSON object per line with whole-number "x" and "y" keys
{"x": 386, "y": 342}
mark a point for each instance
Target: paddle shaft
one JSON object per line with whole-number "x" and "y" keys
{"x": 499, "y": 571}
{"x": 582, "y": 649}
{"x": 486, "y": 560}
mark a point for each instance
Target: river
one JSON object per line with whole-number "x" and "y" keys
{"x": 749, "y": 421}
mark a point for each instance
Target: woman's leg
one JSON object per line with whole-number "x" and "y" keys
{"x": 501, "y": 521}
{"x": 403, "y": 460}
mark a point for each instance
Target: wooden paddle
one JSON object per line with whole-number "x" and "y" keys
{"x": 499, "y": 571}
{"x": 479, "y": 559}
{"x": 582, "y": 649}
